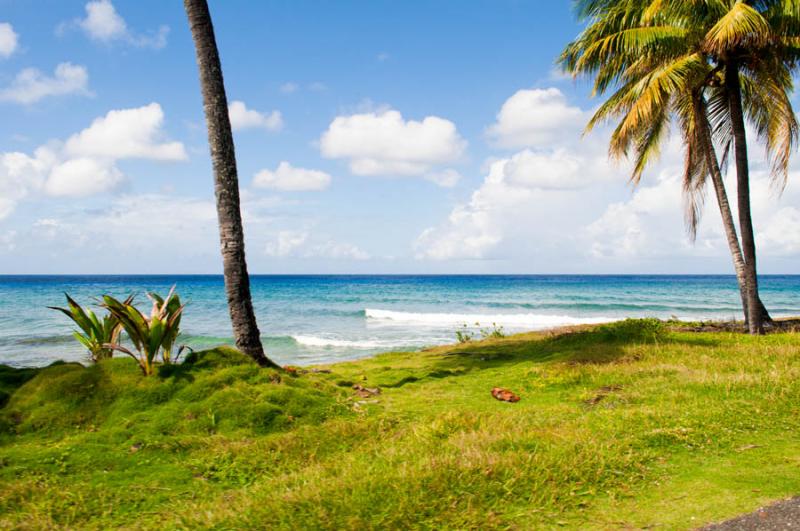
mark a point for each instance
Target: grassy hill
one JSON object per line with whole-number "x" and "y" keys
{"x": 632, "y": 424}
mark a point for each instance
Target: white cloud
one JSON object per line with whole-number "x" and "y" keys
{"x": 532, "y": 202}
{"x": 244, "y": 118}
{"x": 559, "y": 169}
{"x": 21, "y": 174}
{"x": 86, "y": 163}
{"x": 102, "y": 21}
{"x": 650, "y": 223}
{"x": 446, "y": 178}
{"x": 474, "y": 228}
{"x": 286, "y": 243}
{"x": 103, "y": 24}
{"x": 637, "y": 227}
{"x": 527, "y": 190}
{"x": 31, "y": 85}
{"x": 9, "y": 40}
{"x": 289, "y": 87}
{"x": 287, "y": 178}
{"x": 82, "y": 177}
{"x": 127, "y": 133}
{"x": 384, "y": 143}
{"x": 298, "y": 244}
{"x": 536, "y": 118}
{"x": 781, "y": 235}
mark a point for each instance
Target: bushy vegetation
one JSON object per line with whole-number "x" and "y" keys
{"x": 152, "y": 336}
{"x": 624, "y": 425}
{"x": 98, "y": 335}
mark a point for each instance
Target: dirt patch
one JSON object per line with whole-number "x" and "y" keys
{"x": 601, "y": 394}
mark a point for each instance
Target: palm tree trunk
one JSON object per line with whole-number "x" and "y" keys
{"x": 734, "y": 90}
{"x": 226, "y": 184}
{"x": 728, "y": 223}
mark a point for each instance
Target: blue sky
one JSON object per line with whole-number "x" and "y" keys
{"x": 372, "y": 137}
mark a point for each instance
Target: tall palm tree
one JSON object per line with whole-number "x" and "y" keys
{"x": 663, "y": 58}
{"x": 226, "y": 184}
{"x": 756, "y": 40}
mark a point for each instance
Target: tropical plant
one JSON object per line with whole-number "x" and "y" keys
{"x": 151, "y": 335}
{"x": 172, "y": 310}
{"x": 226, "y": 183}
{"x": 96, "y": 333}
{"x": 668, "y": 58}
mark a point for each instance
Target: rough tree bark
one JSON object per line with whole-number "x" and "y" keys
{"x": 734, "y": 90}
{"x": 226, "y": 183}
{"x": 728, "y": 222}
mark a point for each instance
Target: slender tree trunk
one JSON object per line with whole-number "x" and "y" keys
{"x": 226, "y": 183}
{"x": 728, "y": 223}
{"x": 734, "y": 90}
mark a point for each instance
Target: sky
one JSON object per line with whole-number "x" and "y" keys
{"x": 371, "y": 137}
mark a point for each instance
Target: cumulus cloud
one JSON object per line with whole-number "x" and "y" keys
{"x": 127, "y": 133}
{"x": 82, "y": 177}
{"x": 9, "y": 40}
{"x": 287, "y": 178}
{"x": 244, "y": 118}
{"x": 535, "y": 201}
{"x": 528, "y": 189}
{"x": 649, "y": 224}
{"x": 31, "y": 85}
{"x": 536, "y": 118}
{"x": 384, "y": 143}
{"x": 104, "y": 24}
{"x": 20, "y": 174}
{"x": 86, "y": 163}
{"x": 781, "y": 235}
{"x": 299, "y": 244}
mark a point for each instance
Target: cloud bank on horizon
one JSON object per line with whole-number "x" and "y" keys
{"x": 447, "y": 176}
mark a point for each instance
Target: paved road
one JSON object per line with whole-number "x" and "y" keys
{"x": 782, "y": 515}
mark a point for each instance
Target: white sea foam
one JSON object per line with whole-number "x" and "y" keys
{"x": 316, "y": 341}
{"x": 529, "y": 321}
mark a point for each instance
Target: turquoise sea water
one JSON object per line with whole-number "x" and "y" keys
{"x": 311, "y": 319}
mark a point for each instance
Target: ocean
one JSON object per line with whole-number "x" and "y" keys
{"x": 317, "y": 319}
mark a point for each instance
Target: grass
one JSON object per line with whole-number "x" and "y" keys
{"x": 624, "y": 425}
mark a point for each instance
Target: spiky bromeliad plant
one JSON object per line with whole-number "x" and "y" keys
{"x": 151, "y": 335}
{"x": 97, "y": 334}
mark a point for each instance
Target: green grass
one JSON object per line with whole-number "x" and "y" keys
{"x": 624, "y": 425}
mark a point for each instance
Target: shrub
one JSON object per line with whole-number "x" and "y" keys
{"x": 151, "y": 335}
{"x": 97, "y": 335}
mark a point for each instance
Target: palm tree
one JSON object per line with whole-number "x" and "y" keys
{"x": 756, "y": 41}
{"x": 226, "y": 184}
{"x": 663, "y": 57}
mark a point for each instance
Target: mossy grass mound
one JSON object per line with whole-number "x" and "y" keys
{"x": 631, "y": 424}
{"x": 214, "y": 391}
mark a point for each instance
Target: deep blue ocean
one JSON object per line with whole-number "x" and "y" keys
{"x": 312, "y": 319}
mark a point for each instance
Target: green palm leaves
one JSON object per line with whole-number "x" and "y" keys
{"x": 96, "y": 334}
{"x": 650, "y": 52}
{"x": 708, "y": 66}
{"x": 151, "y": 335}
